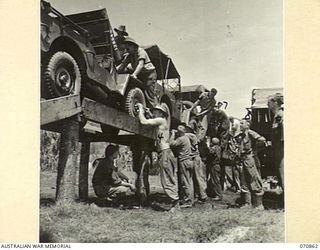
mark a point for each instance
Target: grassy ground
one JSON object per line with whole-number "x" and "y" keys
{"x": 211, "y": 222}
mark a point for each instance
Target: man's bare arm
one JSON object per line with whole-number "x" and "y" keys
{"x": 203, "y": 112}
{"x": 152, "y": 122}
{"x": 138, "y": 68}
{"x": 123, "y": 63}
{"x": 194, "y": 105}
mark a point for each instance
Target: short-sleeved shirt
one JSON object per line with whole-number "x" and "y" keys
{"x": 141, "y": 55}
{"x": 206, "y": 101}
{"x": 182, "y": 147}
{"x": 194, "y": 144}
{"x": 105, "y": 174}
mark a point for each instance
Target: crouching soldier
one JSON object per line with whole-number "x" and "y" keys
{"x": 251, "y": 183}
{"x": 182, "y": 146}
{"x": 107, "y": 182}
{"x": 199, "y": 172}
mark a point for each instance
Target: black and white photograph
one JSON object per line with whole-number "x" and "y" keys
{"x": 162, "y": 121}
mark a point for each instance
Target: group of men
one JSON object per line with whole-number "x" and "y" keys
{"x": 192, "y": 167}
{"x": 193, "y": 159}
{"x": 187, "y": 177}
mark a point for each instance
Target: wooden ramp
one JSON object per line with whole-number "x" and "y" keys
{"x": 57, "y": 109}
{"x": 102, "y": 114}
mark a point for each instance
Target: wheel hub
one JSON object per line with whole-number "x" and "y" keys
{"x": 64, "y": 79}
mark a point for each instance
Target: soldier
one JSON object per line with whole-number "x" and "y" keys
{"x": 119, "y": 39}
{"x": 275, "y": 103}
{"x": 230, "y": 167}
{"x": 220, "y": 120}
{"x": 138, "y": 63}
{"x": 107, "y": 181}
{"x": 251, "y": 185}
{"x": 121, "y": 34}
{"x": 199, "y": 174}
{"x": 214, "y": 169}
{"x": 257, "y": 141}
{"x": 167, "y": 161}
{"x": 182, "y": 146}
{"x": 206, "y": 101}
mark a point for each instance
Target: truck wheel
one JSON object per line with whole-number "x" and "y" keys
{"x": 61, "y": 76}
{"x": 134, "y": 97}
{"x": 166, "y": 107}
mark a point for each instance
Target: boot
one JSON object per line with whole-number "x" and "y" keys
{"x": 246, "y": 197}
{"x": 257, "y": 201}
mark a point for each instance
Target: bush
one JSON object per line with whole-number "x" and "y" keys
{"x": 49, "y": 150}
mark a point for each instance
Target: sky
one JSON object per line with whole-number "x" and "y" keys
{"x": 231, "y": 45}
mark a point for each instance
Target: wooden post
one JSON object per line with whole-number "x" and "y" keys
{"x": 68, "y": 160}
{"x": 83, "y": 171}
{"x": 141, "y": 154}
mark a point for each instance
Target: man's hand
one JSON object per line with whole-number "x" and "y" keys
{"x": 134, "y": 76}
{"x": 140, "y": 107}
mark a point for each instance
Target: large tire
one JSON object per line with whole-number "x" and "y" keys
{"x": 61, "y": 76}
{"x": 134, "y": 97}
{"x": 166, "y": 107}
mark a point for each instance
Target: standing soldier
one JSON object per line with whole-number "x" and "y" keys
{"x": 167, "y": 161}
{"x": 182, "y": 146}
{"x": 257, "y": 141}
{"x": 214, "y": 170}
{"x": 251, "y": 185}
{"x": 231, "y": 169}
{"x": 206, "y": 101}
{"x": 199, "y": 174}
{"x": 274, "y": 103}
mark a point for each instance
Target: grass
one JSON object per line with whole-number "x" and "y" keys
{"x": 79, "y": 222}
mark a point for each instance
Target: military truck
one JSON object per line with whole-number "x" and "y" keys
{"x": 78, "y": 54}
{"x": 261, "y": 122}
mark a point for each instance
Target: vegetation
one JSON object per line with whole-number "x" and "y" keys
{"x": 211, "y": 222}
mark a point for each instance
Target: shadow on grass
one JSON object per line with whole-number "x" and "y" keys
{"x": 46, "y": 236}
{"x": 273, "y": 201}
{"x": 270, "y": 201}
{"x": 47, "y": 202}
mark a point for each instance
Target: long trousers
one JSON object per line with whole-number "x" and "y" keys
{"x": 186, "y": 178}
{"x": 214, "y": 182}
{"x": 199, "y": 178}
{"x": 251, "y": 180}
{"x": 168, "y": 173}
